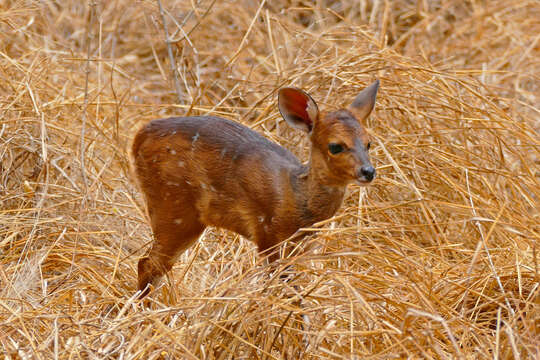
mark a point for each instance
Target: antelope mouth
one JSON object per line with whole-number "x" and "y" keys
{"x": 363, "y": 181}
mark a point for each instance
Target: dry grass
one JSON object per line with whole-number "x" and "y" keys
{"x": 438, "y": 259}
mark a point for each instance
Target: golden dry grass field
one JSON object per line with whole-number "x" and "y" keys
{"x": 438, "y": 259}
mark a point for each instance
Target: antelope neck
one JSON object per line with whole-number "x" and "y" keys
{"x": 323, "y": 198}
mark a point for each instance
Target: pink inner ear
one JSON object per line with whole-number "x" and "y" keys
{"x": 296, "y": 104}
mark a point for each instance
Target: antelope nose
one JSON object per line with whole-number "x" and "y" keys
{"x": 368, "y": 172}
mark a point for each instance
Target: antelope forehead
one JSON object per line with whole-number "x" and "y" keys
{"x": 342, "y": 121}
{"x": 340, "y": 127}
{"x": 341, "y": 135}
{"x": 343, "y": 125}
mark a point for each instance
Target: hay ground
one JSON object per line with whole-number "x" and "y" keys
{"x": 438, "y": 259}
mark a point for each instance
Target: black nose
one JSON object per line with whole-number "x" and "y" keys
{"x": 368, "y": 172}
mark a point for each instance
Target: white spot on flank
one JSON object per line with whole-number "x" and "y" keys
{"x": 177, "y": 221}
{"x": 203, "y": 185}
{"x": 195, "y": 138}
{"x": 173, "y": 132}
{"x": 173, "y": 152}
{"x": 171, "y": 183}
{"x": 261, "y": 219}
{"x": 181, "y": 163}
{"x": 189, "y": 182}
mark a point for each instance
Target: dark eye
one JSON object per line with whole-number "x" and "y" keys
{"x": 335, "y": 148}
{"x": 368, "y": 145}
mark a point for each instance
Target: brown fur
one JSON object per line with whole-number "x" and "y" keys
{"x": 208, "y": 171}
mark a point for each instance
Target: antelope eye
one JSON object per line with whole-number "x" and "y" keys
{"x": 335, "y": 148}
{"x": 368, "y": 146}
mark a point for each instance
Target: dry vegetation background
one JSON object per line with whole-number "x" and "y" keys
{"x": 438, "y": 259}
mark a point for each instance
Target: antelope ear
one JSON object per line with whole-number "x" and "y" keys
{"x": 365, "y": 101}
{"x": 297, "y": 108}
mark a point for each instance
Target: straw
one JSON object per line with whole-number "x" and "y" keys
{"x": 437, "y": 259}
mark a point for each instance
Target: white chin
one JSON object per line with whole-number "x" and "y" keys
{"x": 362, "y": 182}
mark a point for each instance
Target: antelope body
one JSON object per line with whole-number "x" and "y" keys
{"x": 207, "y": 171}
